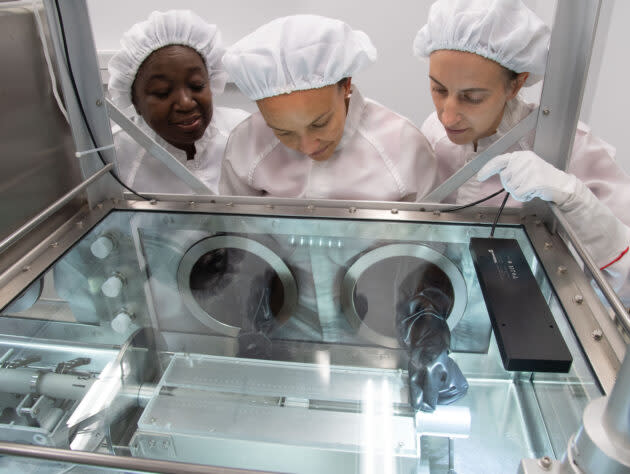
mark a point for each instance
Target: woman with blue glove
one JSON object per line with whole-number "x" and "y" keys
{"x": 481, "y": 53}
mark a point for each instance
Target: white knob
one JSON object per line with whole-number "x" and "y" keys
{"x": 112, "y": 286}
{"x": 122, "y": 322}
{"x": 102, "y": 247}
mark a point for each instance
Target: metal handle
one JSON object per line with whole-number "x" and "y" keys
{"x": 50, "y": 210}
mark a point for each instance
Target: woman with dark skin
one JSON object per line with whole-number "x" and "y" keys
{"x": 165, "y": 75}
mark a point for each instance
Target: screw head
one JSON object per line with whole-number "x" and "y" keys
{"x": 562, "y": 269}
{"x": 436, "y": 212}
{"x": 546, "y": 111}
{"x": 548, "y": 245}
{"x": 26, "y": 269}
{"x": 54, "y": 245}
{"x": 310, "y": 207}
{"x": 579, "y": 299}
{"x": 394, "y": 211}
{"x": 545, "y": 462}
{"x": 99, "y": 102}
{"x": 153, "y": 202}
{"x": 352, "y": 210}
{"x": 597, "y": 334}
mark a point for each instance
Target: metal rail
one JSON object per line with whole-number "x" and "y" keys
{"x": 470, "y": 169}
{"x": 116, "y": 462}
{"x": 50, "y": 210}
{"x": 156, "y": 150}
{"x": 620, "y": 311}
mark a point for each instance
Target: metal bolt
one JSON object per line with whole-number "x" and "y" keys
{"x": 99, "y": 205}
{"x": 548, "y": 245}
{"x": 269, "y": 206}
{"x": 310, "y": 207}
{"x": 579, "y": 299}
{"x": 546, "y": 111}
{"x": 192, "y": 203}
{"x": 153, "y": 420}
{"x": 436, "y": 212}
{"x": 538, "y": 222}
{"x": 545, "y": 462}
{"x": 36, "y": 411}
{"x": 80, "y": 224}
{"x": 99, "y": 102}
{"x": 597, "y": 334}
{"x": 394, "y": 211}
{"x": 229, "y": 204}
{"x": 562, "y": 269}
{"x": 153, "y": 202}
{"x": 26, "y": 269}
{"x": 54, "y": 245}
{"x": 352, "y": 210}
{"x": 401, "y": 444}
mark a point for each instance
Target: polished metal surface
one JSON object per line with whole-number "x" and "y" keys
{"x": 419, "y": 253}
{"x": 43, "y": 247}
{"x": 565, "y": 78}
{"x": 621, "y": 313}
{"x": 156, "y": 150}
{"x": 471, "y": 168}
{"x": 37, "y": 165}
{"x": 616, "y": 418}
{"x": 115, "y": 462}
{"x": 568, "y": 280}
{"x": 54, "y": 207}
{"x": 72, "y": 22}
{"x": 215, "y": 321}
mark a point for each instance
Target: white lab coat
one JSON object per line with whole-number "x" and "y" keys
{"x": 146, "y": 174}
{"x": 381, "y": 156}
{"x": 592, "y": 161}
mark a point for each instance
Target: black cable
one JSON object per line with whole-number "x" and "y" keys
{"x": 76, "y": 93}
{"x": 459, "y": 208}
{"x": 496, "y": 219}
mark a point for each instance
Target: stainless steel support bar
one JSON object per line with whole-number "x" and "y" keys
{"x": 156, "y": 150}
{"x": 617, "y": 414}
{"x": 500, "y": 146}
{"x": 116, "y": 462}
{"x": 23, "y": 381}
{"x": 50, "y": 210}
{"x": 617, "y": 306}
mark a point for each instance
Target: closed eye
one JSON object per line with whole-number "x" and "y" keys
{"x": 320, "y": 125}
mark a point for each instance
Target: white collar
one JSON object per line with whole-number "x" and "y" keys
{"x": 353, "y": 117}
{"x": 515, "y": 111}
{"x": 200, "y": 145}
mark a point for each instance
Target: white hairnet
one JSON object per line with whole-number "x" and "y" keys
{"x": 297, "y": 53}
{"x": 174, "y": 27}
{"x": 505, "y": 31}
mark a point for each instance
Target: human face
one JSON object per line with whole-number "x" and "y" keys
{"x": 309, "y": 121}
{"x": 469, "y": 93}
{"x": 172, "y": 93}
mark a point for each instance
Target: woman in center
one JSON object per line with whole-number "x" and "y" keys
{"x": 316, "y": 136}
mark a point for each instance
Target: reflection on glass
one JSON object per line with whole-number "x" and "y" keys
{"x": 276, "y": 335}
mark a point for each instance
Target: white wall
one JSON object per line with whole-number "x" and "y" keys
{"x": 398, "y": 80}
{"x": 606, "y": 98}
